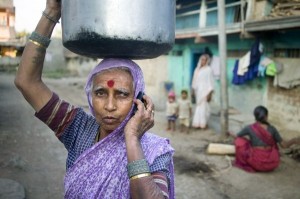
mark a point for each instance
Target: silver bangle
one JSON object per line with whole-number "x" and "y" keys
{"x": 50, "y": 18}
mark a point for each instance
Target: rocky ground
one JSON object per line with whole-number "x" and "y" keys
{"x": 31, "y": 155}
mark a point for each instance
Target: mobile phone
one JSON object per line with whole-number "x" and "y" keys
{"x": 140, "y": 97}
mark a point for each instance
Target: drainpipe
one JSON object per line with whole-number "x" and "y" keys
{"x": 223, "y": 58}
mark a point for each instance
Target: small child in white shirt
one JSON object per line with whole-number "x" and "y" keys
{"x": 171, "y": 111}
{"x": 185, "y": 111}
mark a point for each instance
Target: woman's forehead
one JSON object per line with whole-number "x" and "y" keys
{"x": 111, "y": 78}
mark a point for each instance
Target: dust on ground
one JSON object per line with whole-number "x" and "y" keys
{"x": 31, "y": 154}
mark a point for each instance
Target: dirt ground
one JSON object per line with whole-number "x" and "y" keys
{"x": 30, "y": 154}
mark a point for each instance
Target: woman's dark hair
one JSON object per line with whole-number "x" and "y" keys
{"x": 261, "y": 114}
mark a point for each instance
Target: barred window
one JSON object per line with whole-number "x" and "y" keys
{"x": 287, "y": 53}
{"x": 176, "y": 53}
{"x": 236, "y": 53}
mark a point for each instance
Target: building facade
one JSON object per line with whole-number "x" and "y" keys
{"x": 275, "y": 24}
{"x": 10, "y": 45}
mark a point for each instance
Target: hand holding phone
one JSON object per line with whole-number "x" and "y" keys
{"x": 140, "y": 97}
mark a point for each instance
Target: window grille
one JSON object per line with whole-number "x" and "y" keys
{"x": 287, "y": 53}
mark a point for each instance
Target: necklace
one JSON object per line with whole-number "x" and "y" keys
{"x": 97, "y": 137}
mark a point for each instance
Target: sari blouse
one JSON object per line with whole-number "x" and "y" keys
{"x": 255, "y": 140}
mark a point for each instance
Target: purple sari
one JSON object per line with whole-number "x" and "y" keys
{"x": 100, "y": 172}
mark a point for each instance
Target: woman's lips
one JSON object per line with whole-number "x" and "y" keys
{"x": 110, "y": 120}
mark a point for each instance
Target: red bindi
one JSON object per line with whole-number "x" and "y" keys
{"x": 110, "y": 83}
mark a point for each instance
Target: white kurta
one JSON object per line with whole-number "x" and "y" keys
{"x": 203, "y": 84}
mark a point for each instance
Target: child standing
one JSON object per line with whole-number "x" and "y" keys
{"x": 185, "y": 111}
{"x": 172, "y": 111}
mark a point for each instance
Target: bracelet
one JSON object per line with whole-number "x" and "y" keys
{"x": 42, "y": 40}
{"x": 37, "y": 43}
{"x": 142, "y": 175}
{"x": 50, "y": 18}
{"x": 137, "y": 167}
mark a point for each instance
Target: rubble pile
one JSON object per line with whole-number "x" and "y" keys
{"x": 285, "y": 8}
{"x": 293, "y": 152}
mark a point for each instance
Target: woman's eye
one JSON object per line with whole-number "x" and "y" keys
{"x": 99, "y": 93}
{"x": 123, "y": 94}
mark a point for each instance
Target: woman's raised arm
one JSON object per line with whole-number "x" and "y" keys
{"x": 28, "y": 78}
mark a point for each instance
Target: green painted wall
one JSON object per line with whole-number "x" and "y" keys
{"x": 175, "y": 69}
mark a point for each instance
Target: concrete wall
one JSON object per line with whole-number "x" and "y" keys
{"x": 80, "y": 66}
{"x": 284, "y": 104}
{"x": 155, "y": 74}
{"x": 262, "y": 9}
{"x": 54, "y": 59}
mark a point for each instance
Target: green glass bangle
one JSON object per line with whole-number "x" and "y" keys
{"x": 44, "y": 41}
{"x": 137, "y": 167}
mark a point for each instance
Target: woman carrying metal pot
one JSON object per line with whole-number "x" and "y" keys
{"x": 111, "y": 154}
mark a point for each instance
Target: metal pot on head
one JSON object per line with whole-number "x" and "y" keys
{"x": 136, "y": 29}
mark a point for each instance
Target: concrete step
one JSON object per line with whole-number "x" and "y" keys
{"x": 10, "y": 189}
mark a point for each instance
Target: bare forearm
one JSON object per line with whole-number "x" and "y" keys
{"x": 231, "y": 134}
{"x": 141, "y": 187}
{"x": 288, "y": 143}
{"x": 33, "y": 56}
{"x": 145, "y": 188}
{"x": 28, "y": 77}
{"x": 134, "y": 149}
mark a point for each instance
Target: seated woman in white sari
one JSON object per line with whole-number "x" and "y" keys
{"x": 202, "y": 89}
{"x": 110, "y": 152}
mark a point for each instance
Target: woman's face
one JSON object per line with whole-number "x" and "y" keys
{"x": 203, "y": 60}
{"x": 112, "y": 98}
